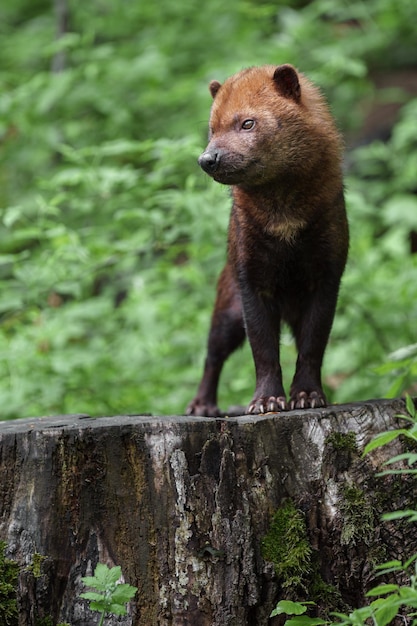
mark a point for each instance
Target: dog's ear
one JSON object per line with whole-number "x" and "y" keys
{"x": 214, "y": 87}
{"x": 287, "y": 83}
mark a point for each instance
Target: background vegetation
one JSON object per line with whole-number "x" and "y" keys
{"x": 111, "y": 239}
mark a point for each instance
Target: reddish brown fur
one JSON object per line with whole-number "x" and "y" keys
{"x": 273, "y": 140}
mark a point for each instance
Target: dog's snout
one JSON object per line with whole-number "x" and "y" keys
{"x": 209, "y": 161}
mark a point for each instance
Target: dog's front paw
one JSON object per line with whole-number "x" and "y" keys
{"x": 200, "y": 408}
{"x": 307, "y": 400}
{"x": 268, "y": 404}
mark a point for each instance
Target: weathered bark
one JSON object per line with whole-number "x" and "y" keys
{"x": 183, "y": 504}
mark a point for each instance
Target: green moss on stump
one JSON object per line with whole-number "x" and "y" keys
{"x": 357, "y": 515}
{"x": 286, "y": 545}
{"x": 343, "y": 441}
{"x": 296, "y": 565}
{"x": 8, "y": 585}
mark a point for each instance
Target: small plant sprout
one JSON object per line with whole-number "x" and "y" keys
{"x": 109, "y": 595}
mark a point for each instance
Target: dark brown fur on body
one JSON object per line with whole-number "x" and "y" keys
{"x": 273, "y": 140}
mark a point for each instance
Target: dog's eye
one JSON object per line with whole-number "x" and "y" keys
{"x": 248, "y": 124}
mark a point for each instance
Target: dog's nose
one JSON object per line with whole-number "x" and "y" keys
{"x": 209, "y": 161}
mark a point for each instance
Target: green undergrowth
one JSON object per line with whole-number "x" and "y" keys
{"x": 112, "y": 238}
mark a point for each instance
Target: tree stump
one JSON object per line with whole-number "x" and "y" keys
{"x": 190, "y": 509}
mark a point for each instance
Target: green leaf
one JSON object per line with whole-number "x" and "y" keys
{"x": 382, "y": 589}
{"x": 89, "y": 581}
{"x": 409, "y": 561}
{"x": 289, "y": 607}
{"x": 123, "y": 593}
{"x": 356, "y": 617}
{"x": 409, "y": 513}
{"x": 381, "y": 439}
{"x": 409, "y": 403}
{"x": 340, "y": 616}
{"x": 94, "y": 581}
{"x": 99, "y": 606}
{"x": 103, "y": 577}
{"x": 410, "y": 457}
{"x": 408, "y": 596}
{"x": 305, "y": 620}
{"x": 114, "y": 574}
{"x": 91, "y": 595}
{"x": 397, "y": 472}
{"x": 106, "y": 575}
{"x": 387, "y": 610}
{"x": 117, "y": 609}
{"x": 389, "y": 567}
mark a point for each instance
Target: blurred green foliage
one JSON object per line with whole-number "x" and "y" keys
{"x": 111, "y": 239}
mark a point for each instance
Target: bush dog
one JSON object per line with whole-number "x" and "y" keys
{"x": 273, "y": 140}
